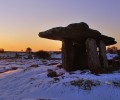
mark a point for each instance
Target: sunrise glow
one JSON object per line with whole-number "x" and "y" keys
{"x": 22, "y": 20}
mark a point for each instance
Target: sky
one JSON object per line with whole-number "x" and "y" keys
{"x": 22, "y": 20}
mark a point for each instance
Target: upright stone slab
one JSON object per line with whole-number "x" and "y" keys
{"x": 102, "y": 54}
{"x": 67, "y": 55}
{"x": 85, "y": 53}
{"x": 93, "y": 58}
{"x": 80, "y": 56}
{"x": 83, "y": 61}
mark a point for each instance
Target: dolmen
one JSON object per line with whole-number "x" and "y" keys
{"x": 82, "y": 47}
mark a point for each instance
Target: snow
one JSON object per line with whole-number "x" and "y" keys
{"x": 111, "y": 56}
{"x": 56, "y": 55}
{"x": 12, "y": 54}
{"x": 30, "y": 82}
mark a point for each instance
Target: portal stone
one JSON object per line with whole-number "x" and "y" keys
{"x": 102, "y": 54}
{"x": 93, "y": 58}
{"x": 67, "y": 55}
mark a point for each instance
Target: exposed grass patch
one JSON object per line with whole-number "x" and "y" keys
{"x": 6, "y": 70}
{"x": 59, "y": 66}
{"x": 56, "y": 79}
{"x": 51, "y": 73}
{"x": 84, "y": 84}
{"x": 14, "y": 68}
{"x": 43, "y": 99}
{"x": 32, "y": 66}
{"x": 116, "y": 83}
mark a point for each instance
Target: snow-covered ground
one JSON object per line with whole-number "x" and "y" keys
{"x": 28, "y": 80}
{"x": 111, "y": 56}
{"x": 56, "y": 56}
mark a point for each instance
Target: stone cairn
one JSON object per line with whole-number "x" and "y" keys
{"x": 81, "y": 46}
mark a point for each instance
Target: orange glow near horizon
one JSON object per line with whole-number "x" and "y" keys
{"x": 47, "y": 45}
{"x": 20, "y": 41}
{"x": 22, "y": 20}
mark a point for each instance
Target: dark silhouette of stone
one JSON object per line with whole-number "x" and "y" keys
{"x": 67, "y": 55}
{"x": 80, "y": 56}
{"x": 79, "y": 46}
{"x": 93, "y": 59}
{"x": 78, "y": 32}
{"x": 102, "y": 54}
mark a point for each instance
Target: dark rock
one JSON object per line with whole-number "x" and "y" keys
{"x": 51, "y": 73}
{"x": 79, "y": 46}
{"x": 76, "y": 31}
